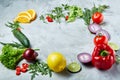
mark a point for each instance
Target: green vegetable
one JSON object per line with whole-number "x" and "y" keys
{"x": 14, "y": 44}
{"x": 87, "y": 13}
{"x": 39, "y": 67}
{"x": 42, "y": 18}
{"x": 11, "y": 56}
{"x": 57, "y": 14}
{"x": 18, "y": 34}
{"x": 74, "y": 12}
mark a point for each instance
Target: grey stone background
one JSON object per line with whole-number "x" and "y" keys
{"x": 68, "y": 38}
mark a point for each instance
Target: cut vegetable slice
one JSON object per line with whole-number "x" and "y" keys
{"x": 103, "y": 32}
{"x": 84, "y": 57}
{"x": 114, "y": 46}
{"x": 74, "y": 67}
{"x": 93, "y": 28}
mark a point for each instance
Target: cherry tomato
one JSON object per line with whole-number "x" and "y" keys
{"x": 18, "y": 69}
{"x": 25, "y": 65}
{"x": 66, "y": 18}
{"x": 97, "y": 17}
{"x": 49, "y": 19}
{"x": 24, "y": 70}
{"x": 100, "y": 39}
{"x": 18, "y": 73}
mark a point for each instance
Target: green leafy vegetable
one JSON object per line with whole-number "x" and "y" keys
{"x": 11, "y": 56}
{"x": 39, "y": 67}
{"x": 74, "y": 12}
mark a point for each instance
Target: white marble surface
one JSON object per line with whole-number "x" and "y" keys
{"x": 69, "y": 39}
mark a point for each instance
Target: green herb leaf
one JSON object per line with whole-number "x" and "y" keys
{"x": 39, "y": 67}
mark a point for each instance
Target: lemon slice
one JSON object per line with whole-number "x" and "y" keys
{"x": 25, "y": 13}
{"x": 74, "y": 67}
{"x": 22, "y": 19}
{"x": 32, "y": 13}
{"x": 114, "y": 46}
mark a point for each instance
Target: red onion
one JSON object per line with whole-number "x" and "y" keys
{"x": 30, "y": 54}
{"x": 103, "y": 32}
{"x": 84, "y": 57}
{"x": 93, "y": 28}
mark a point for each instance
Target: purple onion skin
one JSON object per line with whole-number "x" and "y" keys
{"x": 30, "y": 54}
{"x": 104, "y": 32}
{"x": 83, "y": 54}
{"x": 93, "y": 28}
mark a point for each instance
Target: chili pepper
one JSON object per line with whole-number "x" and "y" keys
{"x": 103, "y": 56}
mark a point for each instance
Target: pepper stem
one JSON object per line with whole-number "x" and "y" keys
{"x": 104, "y": 53}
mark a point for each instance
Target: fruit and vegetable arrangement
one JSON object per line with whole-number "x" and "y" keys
{"x": 103, "y": 55}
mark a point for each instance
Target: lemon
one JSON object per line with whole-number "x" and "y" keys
{"x": 32, "y": 13}
{"x": 56, "y": 62}
{"x": 24, "y": 13}
{"x": 22, "y": 19}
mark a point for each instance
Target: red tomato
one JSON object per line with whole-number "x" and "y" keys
{"x": 18, "y": 69}
{"x": 24, "y": 70}
{"x": 66, "y": 18}
{"x": 49, "y": 19}
{"x": 97, "y": 17}
{"x": 18, "y": 73}
{"x": 25, "y": 65}
{"x": 100, "y": 39}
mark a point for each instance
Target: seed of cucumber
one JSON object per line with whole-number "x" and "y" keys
{"x": 74, "y": 67}
{"x": 114, "y": 46}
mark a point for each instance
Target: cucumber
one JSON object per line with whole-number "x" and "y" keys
{"x": 21, "y": 37}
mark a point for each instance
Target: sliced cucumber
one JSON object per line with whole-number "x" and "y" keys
{"x": 74, "y": 67}
{"x": 114, "y": 46}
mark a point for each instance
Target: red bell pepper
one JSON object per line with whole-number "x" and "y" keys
{"x": 103, "y": 56}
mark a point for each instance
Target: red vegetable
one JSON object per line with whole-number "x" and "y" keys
{"x": 103, "y": 56}
{"x": 99, "y": 39}
{"x": 18, "y": 69}
{"x": 18, "y": 73}
{"x": 49, "y": 19}
{"x": 23, "y": 70}
{"x": 84, "y": 57}
{"x": 30, "y": 54}
{"x": 25, "y": 65}
{"x": 97, "y": 17}
{"x": 66, "y": 18}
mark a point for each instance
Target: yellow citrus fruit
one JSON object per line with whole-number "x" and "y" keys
{"x": 22, "y": 19}
{"x": 56, "y": 62}
{"x": 25, "y": 13}
{"x": 32, "y": 13}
